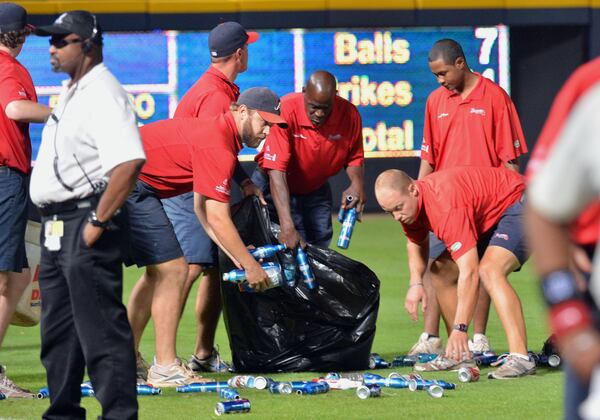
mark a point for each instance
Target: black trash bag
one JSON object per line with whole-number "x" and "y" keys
{"x": 287, "y": 329}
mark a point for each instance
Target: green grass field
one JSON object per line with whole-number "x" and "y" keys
{"x": 380, "y": 244}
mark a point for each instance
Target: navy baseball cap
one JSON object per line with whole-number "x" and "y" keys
{"x": 227, "y": 37}
{"x": 12, "y": 18}
{"x": 264, "y": 101}
{"x": 79, "y": 22}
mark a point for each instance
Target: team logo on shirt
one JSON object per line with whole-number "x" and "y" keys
{"x": 502, "y": 236}
{"x": 335, "y": 136}
{"x": 443, "y": 115}
{"x": 224, "y": 187}
{"x": 477, "y": 111}
{"x": 23, "y": 93}
{"x": 455, "y": 246}
{"x": 299, "y": 136}
{"x": 425, "y": 148}
{"x": 271, "y": 157}
{"x": 517, "y": 144}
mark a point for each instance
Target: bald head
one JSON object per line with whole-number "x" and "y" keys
{"x": 319, "y": 96}
{"x": 392, "y": 180}
{"x": 398, "y": 195}
{"x": 321, "y": 84}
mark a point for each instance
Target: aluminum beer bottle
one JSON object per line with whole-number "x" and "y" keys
{"x": 229, "y": 407}
{"x": 272, "y": 269}
{"x": 347, "y": 228}
{"x": 377, "y": 362}
{"x": 306, "y": 272}
{"x": 203, "y": 387}
{"x": 143, "y": 389}
{"x": 266, "y": 251}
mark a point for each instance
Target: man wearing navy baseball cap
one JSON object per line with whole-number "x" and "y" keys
{"x": 18, "y": 107}
{"x": 227, "y": 37}
{"x": 211, "y": 95}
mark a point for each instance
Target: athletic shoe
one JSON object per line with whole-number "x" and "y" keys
{"x": 9, "y": 389}
{"x": 212, "y": 363}
{"x": 173, "y": 375}
{"x": 141, "y": 368}
{"x": 479, "y": 344}
{"x": 512, "y": 366}
{"x": 443, "y": 363}
{"x": 427, "y": 344}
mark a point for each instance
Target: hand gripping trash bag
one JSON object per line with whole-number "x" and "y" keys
{"x": 286, "y": 329}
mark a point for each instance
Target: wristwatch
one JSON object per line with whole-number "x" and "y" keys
{"x": 461, "y": 327}
{"x": 93, "y": 219}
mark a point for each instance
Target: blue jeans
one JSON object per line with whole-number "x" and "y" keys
{"x": 311, "y": 212}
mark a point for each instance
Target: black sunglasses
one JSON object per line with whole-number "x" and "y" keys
{"x": 62, "y": 42}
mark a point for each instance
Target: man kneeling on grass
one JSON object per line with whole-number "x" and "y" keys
{"x": 477, "y": 213}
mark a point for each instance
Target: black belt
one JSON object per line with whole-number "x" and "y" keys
{"x": 69, "y": 205}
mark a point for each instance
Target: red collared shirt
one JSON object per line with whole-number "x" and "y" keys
{"x": 15, "y": 85}
{"x": 586, "y": 229}
{"x": 180, "y": 157}
{"x": 210, "y": 95}
{"x": 308, "y": 154}
{"x": 461, "y": 204}
{"x": 481, "y": 130}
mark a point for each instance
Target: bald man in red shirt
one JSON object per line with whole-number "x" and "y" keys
{"x": 324, "y": 135}
{"x": 469, "y": 121}
{"x": 477, "y": 213}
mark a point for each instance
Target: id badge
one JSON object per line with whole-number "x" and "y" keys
{"x": 53, "y": 231}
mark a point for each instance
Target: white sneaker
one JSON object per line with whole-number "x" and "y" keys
{"x": 173, "y": 375}
{"x": 479, "y": 344}
{"x": 427, "y": 344}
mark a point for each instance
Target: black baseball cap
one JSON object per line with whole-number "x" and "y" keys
{"x": 265, "y": 102}
{"x": 79, "y": 22}
{"x": 227, "y": 37}
{"x": 12, "y": 18}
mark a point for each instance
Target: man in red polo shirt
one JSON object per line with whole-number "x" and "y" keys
{"x": 469, "y": 121}
{"x": 18, "y": 107}
{"x": 477, "y": 213}
{"x": 181, "y": 158}
{"x": 324, "y": 135}
{"x": 211, "y": 95}
{"x": 584, "y": 231}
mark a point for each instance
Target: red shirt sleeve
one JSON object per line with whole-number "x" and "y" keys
{"x": 213, "y": 169}
{"x": 508, "y": 134}
{"x": 356, "y": 157}
{"x": 427, "y": 145}
{"x": 277, "y": 149}
{"x": 12, "y": 89}
{"x": 458, "y": 232}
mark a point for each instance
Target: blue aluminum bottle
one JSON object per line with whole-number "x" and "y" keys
{"x": 486, "y": 358}
{"x": 87, "y": 392}
{"x": 266, "y": 251}
{"x": 229, "y": 394}
{"x": 280, "y": 388}
{"x": 43, "y": 393}
{"x": 273, "y": 271}
{"x": 2, "y": 396}
{"x": 203, "y": 387}
{"x": 312, "y": 388}
{"x": 424, "y": 384}
{"x": 143, "y": 389}
{"x": 228, "y": 407}
{"x": 347, "y": 228}
{"x": 305, "y": 271}
{"x": 377, "y": 362}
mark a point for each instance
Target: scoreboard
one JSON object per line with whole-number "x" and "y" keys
{"x": 383, "y": 71}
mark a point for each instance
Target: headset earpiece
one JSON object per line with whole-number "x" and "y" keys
{"x": 86, "y": 46}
